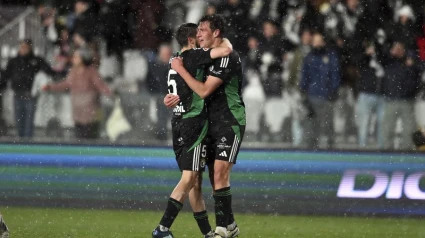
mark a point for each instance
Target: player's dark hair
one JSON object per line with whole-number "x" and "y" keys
{"x": 185, "y": 31}
{"x": 216, "y": 22}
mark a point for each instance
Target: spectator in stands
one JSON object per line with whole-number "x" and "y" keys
{"x": 116, "y": 24}
{"x": 271, "y": 48}
{"x": 320, "y": 80}
{"x": 271, "y": 51}
{"x": 262, "y": 10}
{"x": 85, "y": 86}
{"x": 62, "y": 53}
{"x": 321, "y": 16}
{"x": 375, "y": 15}
{"x": 80, "y": 42}
{"x": 253, "y": 93}
{"x": 418, "y": 138}
{"x": 149, "y": 16}
{"x": 403, "y": 29}
{"x": 299, "y": 54}
{"x": 211, "y": 9}
{"x": 370, "y": 98}
{"x": 349, "y": 13}
{"x": 292, "y": 24}
{"x": 48, "y": 20}
{"x": 400, "y": 87}
{"x": 294, "y": 79}
{"x": 238, "y": 23}
{"x": 253, "y": 59}
{"x": 21, "y": 72}
{"x": 86, "y": 23}
{"x": 157, "y": 86}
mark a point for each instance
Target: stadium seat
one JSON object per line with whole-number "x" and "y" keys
{"x": 109, "y": 67}
{"x": 276, "y": 111}
{"x": 135, "y": 66}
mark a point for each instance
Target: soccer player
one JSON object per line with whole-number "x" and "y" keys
{"x": 189, "y": 128}
{"x": 4, "y": 232}
{"x": 226, "y": 115}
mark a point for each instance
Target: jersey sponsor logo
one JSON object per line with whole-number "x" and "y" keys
{"x": 223, "y": 154}
{"x": 223, "y": 146}
{"x": 178, "y": 109}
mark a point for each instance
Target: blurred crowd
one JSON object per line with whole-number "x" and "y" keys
{"x": 317, "y": 72}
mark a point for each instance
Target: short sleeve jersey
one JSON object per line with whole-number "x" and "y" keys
{"x": 191, "y": 105}
{"x": 225, "y": 104}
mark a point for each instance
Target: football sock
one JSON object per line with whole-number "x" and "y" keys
{"x": 170, "y": 214}
{"x": 223, "y": 203}
{"x": 202, "y": 220}
{"x": 231, "y": 217}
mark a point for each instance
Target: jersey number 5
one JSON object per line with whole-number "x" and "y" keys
{"x": 172, "y": 85}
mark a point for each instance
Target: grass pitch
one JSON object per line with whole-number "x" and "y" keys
{"x": 58, "y": 223}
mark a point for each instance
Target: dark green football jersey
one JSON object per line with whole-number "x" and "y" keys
{"x": 225, "y": 105}
{"x": 190, "y": 115}
{"x": 191, "y": 105}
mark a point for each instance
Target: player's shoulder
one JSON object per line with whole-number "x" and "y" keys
{"x": 194, "y": 52}
{"x": 232, "y": 59}
{"x": 234, "y": 56}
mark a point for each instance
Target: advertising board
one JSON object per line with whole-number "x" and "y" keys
{"x": 263, "y": 181}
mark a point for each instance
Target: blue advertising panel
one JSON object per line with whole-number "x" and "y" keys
{"x": 263, "y": 181}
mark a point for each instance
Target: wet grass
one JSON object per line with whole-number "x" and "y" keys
{"x": 57, "y": 223}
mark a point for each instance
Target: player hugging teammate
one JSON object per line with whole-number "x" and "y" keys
{"x": 191, "y": 122}
{"x": 226, "y": 116}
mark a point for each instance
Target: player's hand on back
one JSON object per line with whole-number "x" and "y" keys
{"x": 171, "y": 100}
{"x": 176, "y": 63}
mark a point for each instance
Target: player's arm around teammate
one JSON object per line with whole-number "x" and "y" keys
{"x": 189, "y": 130}
{"x": 226, "y": 114}
{"x": 203, "y": 89}
{"x": 223, "y": 50}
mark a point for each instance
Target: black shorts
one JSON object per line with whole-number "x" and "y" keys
{"x": 225, "y": 142}
{"x": 190, "y": 146}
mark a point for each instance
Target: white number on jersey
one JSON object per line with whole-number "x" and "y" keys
{"x": 172, "y": 85}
